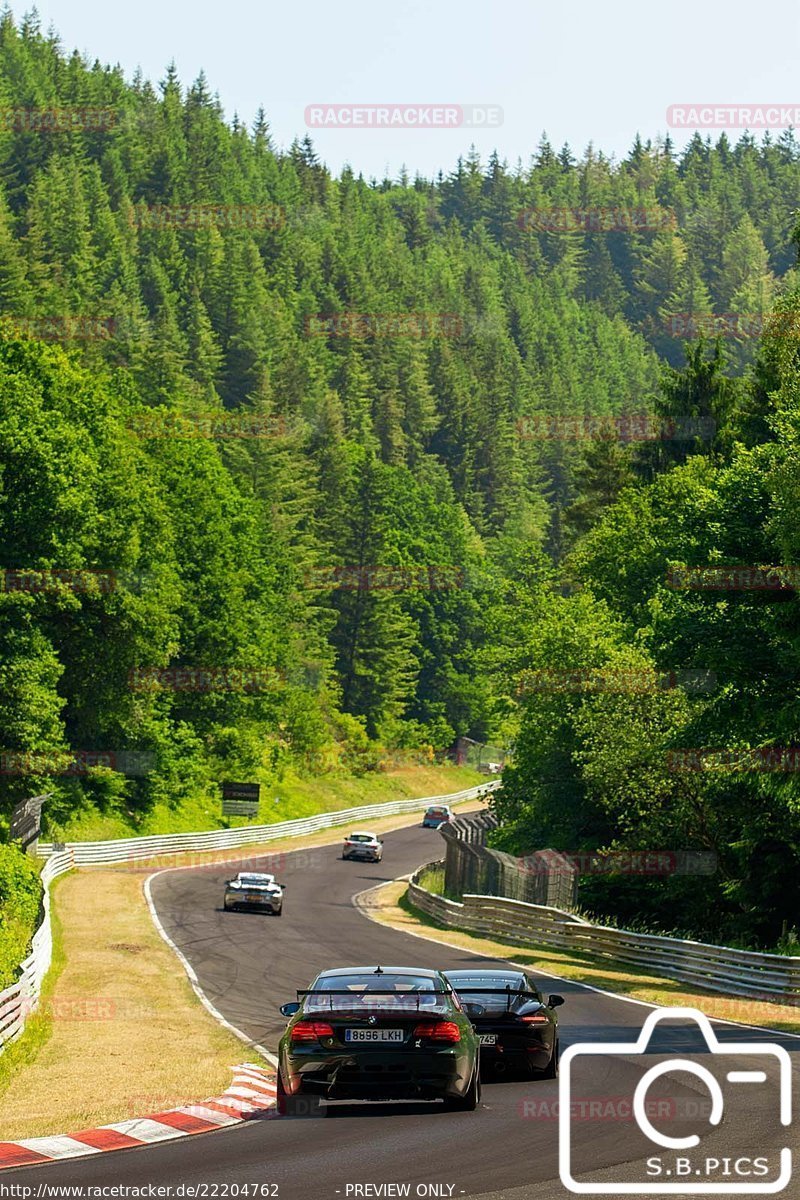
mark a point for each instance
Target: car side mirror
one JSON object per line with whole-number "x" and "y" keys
{"x": 473, "y": 1009}
{"x": 280, "y": 885}
{"x": 555, "y": 1001}
{"x": 288, "y": 1010}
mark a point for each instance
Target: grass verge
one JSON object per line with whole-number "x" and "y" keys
{"x": 241, "y": 857}
{"x": 115, "y": 1000}
{"x": 390, "y": 905}
{"x": 20, "y": 903}
{"x": 287, "y": 800}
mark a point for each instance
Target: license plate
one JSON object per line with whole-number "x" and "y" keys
{"x": 254, "y": 898}
{"x": 487, "y": 1039}
{"x": 373, "y": 1035}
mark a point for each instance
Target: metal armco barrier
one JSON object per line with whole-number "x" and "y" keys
{"x": 717, "y": 968}
{"x": 471, "y": 867}
{"x": 21, "y": 999}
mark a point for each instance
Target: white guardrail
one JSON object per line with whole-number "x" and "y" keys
{"x": 748, "y": 973}
{"x": 18, "y": 1001}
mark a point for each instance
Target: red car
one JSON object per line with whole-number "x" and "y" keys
{"x": 436, "y": 815}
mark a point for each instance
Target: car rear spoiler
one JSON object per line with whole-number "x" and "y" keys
{"x": 506, "y": 991}
{"x": 359, "y": 997}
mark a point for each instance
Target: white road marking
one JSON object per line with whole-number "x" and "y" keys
{"x": 208, "y": 1114}
{"x": 248, "y": 1093}
{"x": 189, "y": 969}
{"x": 59, "y": 1146}
{"x": 143, "y": 1129}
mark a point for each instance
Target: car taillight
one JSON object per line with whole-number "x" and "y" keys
{"x": 438, "y": 1031}
{"x": 311, "y": 1031}
{"x": 536, "y": 1019}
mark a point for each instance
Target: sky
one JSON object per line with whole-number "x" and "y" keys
{"x": 584, "y": 71}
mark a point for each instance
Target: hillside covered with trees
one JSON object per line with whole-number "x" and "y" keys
{"x": 304, "y": 468}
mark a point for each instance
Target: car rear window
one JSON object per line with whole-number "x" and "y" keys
{"x": 360, "y": 837}
{"x": 462, "y": 983}
{"x": 474, "y": 988}
{"x": 437, "y": 812}
{"x": 255, "y": 880}
{"x": 375, "y": 993}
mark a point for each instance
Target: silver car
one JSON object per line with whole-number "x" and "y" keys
{"x": 252, "y": 890}
{"x": 365, "y": 846}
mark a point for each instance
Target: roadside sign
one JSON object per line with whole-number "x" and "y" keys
{"x": 240, "y": 799}
{"x": 26, "y": 823}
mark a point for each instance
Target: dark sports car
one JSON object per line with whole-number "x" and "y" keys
{"x": 377, "y": 1033}
{"x": 518, "y": 1032}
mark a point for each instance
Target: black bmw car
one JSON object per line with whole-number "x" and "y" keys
{"x": 518, "y": 1031}
{"x": 377, "y": 1033}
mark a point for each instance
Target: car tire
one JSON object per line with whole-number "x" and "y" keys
{"x": 298, "y": 1105}
{"x": 471, "y": 1098}
{"x": 278, "y": 912}
{"x": 551, "y": 1070}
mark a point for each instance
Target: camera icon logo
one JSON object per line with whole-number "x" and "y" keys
{"x": 673, "y": 1169}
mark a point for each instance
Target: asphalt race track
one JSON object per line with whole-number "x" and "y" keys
{"x": 249, "y": 963}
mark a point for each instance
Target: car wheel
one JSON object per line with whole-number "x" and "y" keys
{"x": 551, "y": 1070}
{"x": 471, "y": 1098}
{"x": 297, "y": 1105}
{"x": 278, "y": 912}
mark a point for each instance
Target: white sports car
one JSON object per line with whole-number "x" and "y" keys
{"x": 251, "y": 890}
{"x": 363, "y": 845}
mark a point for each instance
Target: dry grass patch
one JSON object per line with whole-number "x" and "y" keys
{"x": 389, "y": 905}
{"x": 127, "y": 1034}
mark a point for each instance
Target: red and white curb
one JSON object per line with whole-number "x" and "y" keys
{"x": 250, "y": 1096}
